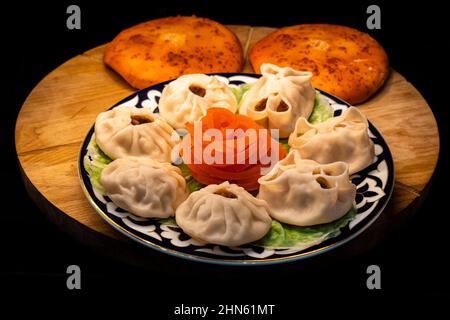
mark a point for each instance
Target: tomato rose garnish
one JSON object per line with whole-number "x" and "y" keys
{"x": 229, "y": 147}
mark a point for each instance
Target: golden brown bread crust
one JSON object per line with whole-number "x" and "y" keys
{"x": 164, "y": 49}
{"x": 345, "y": 62}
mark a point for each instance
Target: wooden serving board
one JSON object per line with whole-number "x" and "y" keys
{"x": 59, "y": 111}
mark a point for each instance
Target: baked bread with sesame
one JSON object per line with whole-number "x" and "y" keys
{"x": 166, "y": 48}
{"x": 345, "y": 62}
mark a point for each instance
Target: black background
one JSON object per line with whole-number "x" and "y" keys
{"x": 35, "y": 254}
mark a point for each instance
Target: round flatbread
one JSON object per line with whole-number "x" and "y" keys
{"x": 344, "y": 61}
{"x": 164, "y": 49}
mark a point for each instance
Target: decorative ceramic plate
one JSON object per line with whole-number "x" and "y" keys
{"x": 374, "y": 187}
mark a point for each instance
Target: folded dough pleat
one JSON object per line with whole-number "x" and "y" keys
{"x": 224, "y": 214}
{"x": 279, "y": 98}
{"x": 187, "y": 98}
{"x": 134, "y": 132}
{"x": 304, "y": 192}
{"x": 144, "y": 187}
{"x": 343, "y": 138}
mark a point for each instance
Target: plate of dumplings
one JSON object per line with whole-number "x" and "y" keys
{"x": 319, "y": 176}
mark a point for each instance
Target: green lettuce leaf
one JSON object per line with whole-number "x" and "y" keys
{"x": 94, "y": 161}
{"x": 169, "y": 221}
{"x": 322, "y": 109}
{"x": 283, "y": 235}
{"x": 192, "y": 184}
{"x": 239, "y": 91}
{"x": 284, "y": 143}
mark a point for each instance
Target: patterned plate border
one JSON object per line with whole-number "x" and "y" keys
{"x": 374, "y": 189}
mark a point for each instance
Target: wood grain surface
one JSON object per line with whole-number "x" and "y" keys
{"x": 59, "y": 111}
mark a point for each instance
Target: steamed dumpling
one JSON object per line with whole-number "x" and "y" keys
{"x": 224, "y": 214}
{"x": 343, "y": 138}
{"x": 187, "y": 98}
{"x": 130, "y": 131}
{"x": 304, "y": 192}
{"x": 144, "y": 187}
{"x": 279, "y": 97}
